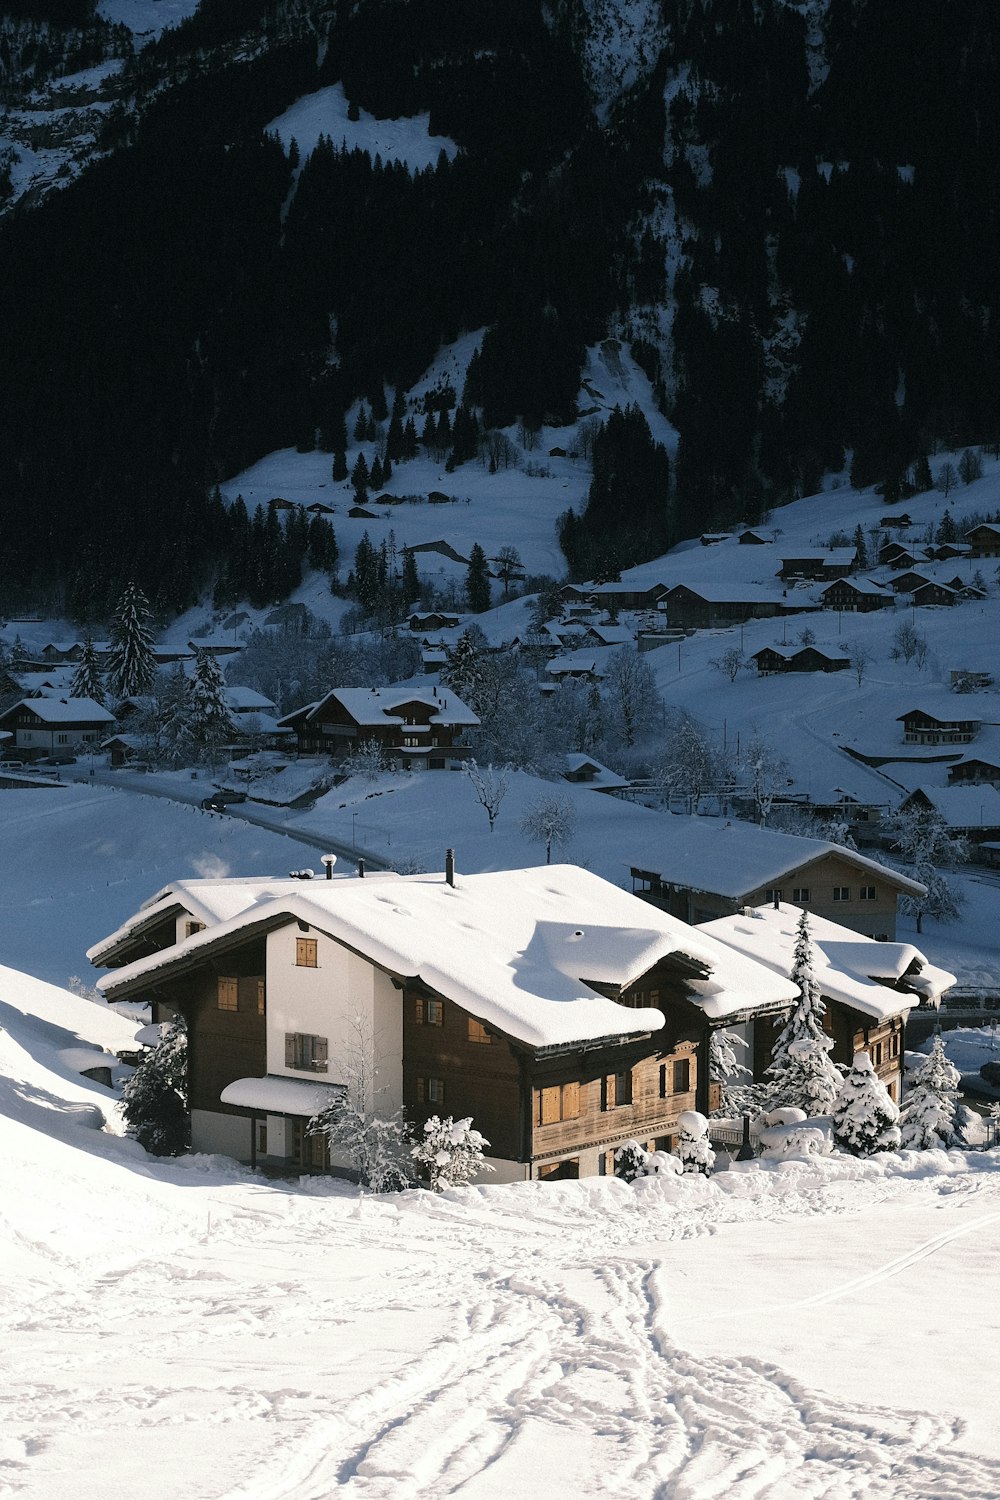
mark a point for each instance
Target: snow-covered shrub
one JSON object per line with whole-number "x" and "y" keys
{"x": 930, "y": 1115}
{"x": 450, "y": 1152}
{"x": 630, "y": 1161}
{"x": 154, "y": 1099}
{"x": 806, "y": 1019}
{"x": 662, "y": 1164}
{"x": 864, "y": 1116}
{"x": 694, "y": 1146}
{"x": 789, "y": 1132}
{"x": 374, "y": 1147}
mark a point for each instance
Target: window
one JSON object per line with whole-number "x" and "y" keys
{"x": 477, "y": 1032}
{"x": 560, "y": 1102}
{"x": 306, "y": 1053}
{"x": 774, "y": 894}
{"x": 877, "y": 1054}
{"x": 62, "y": 739}
{"x": 681, "y": 1075}
{"x": 842, "y": 893}
{"x": 305, "y": 953}
{"x": 228, "y": 993}
{"x": 261, "y": 1137}
{"x": 261, "y": 1009}
{"x": 868, "y": 893}
{"x": 430, "y": 1090}
{"x": 429, "y": 1012}
{"x": 617, "y": 1089}
{"x": 800, "y": 894}
{"x": 190, "y": 928}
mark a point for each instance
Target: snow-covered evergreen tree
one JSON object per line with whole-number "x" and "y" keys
{"x": 87, "y": 680}
{"x": 210, "y": 719}
{"x": 174, "y": 719}
{"x": 929, "y": 1118}
{"x": 154, "y": 1099}
{"x": 864, "y": 1116}
{"x": 374, "y": 1145}
{"x": 131, "y": 664}
{"x": 806, "y": 1019}
{"x": 810, "y": 1082}
{"x": 694, "y": 1147}
{"x": 450, "y": 1152}
{"x": 630, "y": 1161}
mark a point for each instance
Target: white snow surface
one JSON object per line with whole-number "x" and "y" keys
{"x": 279, "y": 1096}
{"x": 406, "y": 140}
{"x": 520, "y": 949}
{"x": 190, "y": 1329}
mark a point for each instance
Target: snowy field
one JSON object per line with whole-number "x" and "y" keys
{"x": 782, "y": 1333}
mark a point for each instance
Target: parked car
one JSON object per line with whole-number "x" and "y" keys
{"x": 219, "y": 801}
{"x": 56, "y": 760}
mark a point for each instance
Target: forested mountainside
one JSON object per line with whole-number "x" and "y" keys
{"x": 790, "y": 211}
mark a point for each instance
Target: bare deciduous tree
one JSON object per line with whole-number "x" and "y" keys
{"x": 860, "y": 657}
{"x": 731, "y": 662}
{"x": 490, "y": 784}
{"x": 548, "y": 821}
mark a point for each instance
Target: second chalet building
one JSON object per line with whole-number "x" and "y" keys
{"x": 562, "y": 1014}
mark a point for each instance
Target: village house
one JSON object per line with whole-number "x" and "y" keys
{"x": 702, "y": 868}
{"x": 856, "y": 596}
{"x": 752, "y": 538}
{"x": 833, "y": 562}
{"x": 984, "y": 540}
{"x": 973, "y": 770}
{"x": 969, "y": 812}
{"x": 712, "y": 605}
{"x": 896, "y": 555}
{"x": 772, "y": 659}
{"x": 584, "y": 770}
{"x": 554, "y": 1009}
{"x": 418, "y": 728}
{"x": 56, "y": 726}
{"x": 934, "y": 593}
{"x": 943, "y": 719}
{"x": 868, "y": 987}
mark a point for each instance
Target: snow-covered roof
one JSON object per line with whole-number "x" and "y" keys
{"x": 860, "y": 585}
{"x": 244, "y": 700}
{"x": 732, "y": 591}
{"x": 378, "y": 705}
{"x": 838, "y": 556}
{"x": 734, "y": 859}
{"x": 602, "y": 778}
{"x": 847, "y": 966}
{"x": 520, "y": 949}
{"x": 572, "y": 661}
{"x": 951, "y": 708}
{"x": 86, "y": 1059}
{"x": 65, "y": 710}
{"x": 964, "y": 806}
{"x": 280, "y": 1096}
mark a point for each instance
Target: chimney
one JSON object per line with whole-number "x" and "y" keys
{"x": 777, "y": 901}
{"x": 449, "y": 866}
{"x": 361, "y": 869}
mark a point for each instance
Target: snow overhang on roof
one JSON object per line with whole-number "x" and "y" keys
{"x": 274, "y": 1095}
{"x": 522, "y": 950}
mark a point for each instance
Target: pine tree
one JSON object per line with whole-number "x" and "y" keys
{"x": 411, "y": 578}
{"x": 87, "y": 681}
{"x": 131, "y": 665}
{"x": 806, "y": 1019}
{"x": 464, "y": 670}
{"x": 154, "y": 1099}
{"x": 210, "y": 718}
{"x": 864, "y": 1117}
{"x": 860, "y": 547}
{"x": 360, "y": 479}
{"x": 477, "y": 581}
{"x": 172, "y": 731}
{"x": 339, "y": 469}
{"x": 929, "y": 1116}
{"x": 810, "y": 1082}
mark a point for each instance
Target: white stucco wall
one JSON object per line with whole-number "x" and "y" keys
{"x": 345, "y": 999}
{"x": 229, "y": 1135}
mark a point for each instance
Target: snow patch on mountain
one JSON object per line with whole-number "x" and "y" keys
{"x": 619, "y": 44}
{"x": 326, "y": 112}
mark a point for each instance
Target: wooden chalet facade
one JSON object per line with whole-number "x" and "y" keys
{"x": 273, "y": 1001}
{"x": 416, "y": 729}
{"x": 56, "y": 726}
{"x": 974, "y": 770}
{"x": 819, "y": 566}
{"x": 773, "y": 659}
{"x": 941, "y": 727}
{"x": 704, "y": 609}
{"x": 856, "y": 596}
{"x": 984, "y": 540}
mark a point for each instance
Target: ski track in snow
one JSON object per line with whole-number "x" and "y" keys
{"x": 548, "y": 1357}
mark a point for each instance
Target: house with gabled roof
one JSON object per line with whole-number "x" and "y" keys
{"x": 418, "y": 728}
{"x": 941, "y": 719}
{"x": 50, "y": 726}
{"x": 868, "y": 987}
{"x": 823, "y": 563}
{"x": 709, "y": 604}
{"x": 856, "y": 596}
{"x": 701, "y": 868}
{"x": 561, "y": 1014}
{"x": 970, "y": 812}
{"x": 984, "y": 539}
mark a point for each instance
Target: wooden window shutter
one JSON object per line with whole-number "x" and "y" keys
{"x": 570, "y": 1101}
{"x": 261, "y": 1008}
{"x": 320, "y": 1053}
{"x": 419, "y": 1009}
{"x": 550, "y": 1105}
{"x": 610, "y": 1091}
{"x": 421, "y": 1090}
{"x": 663, "y": 1080}
{"x": 289, "y": 1049}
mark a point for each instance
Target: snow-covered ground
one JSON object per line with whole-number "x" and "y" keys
{"x": 326, "y": 113}
{"x": 185, "y": 1328}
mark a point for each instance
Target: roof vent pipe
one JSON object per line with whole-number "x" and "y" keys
{"x": 449, "y": 866}
{"x": 361, "y": 869}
